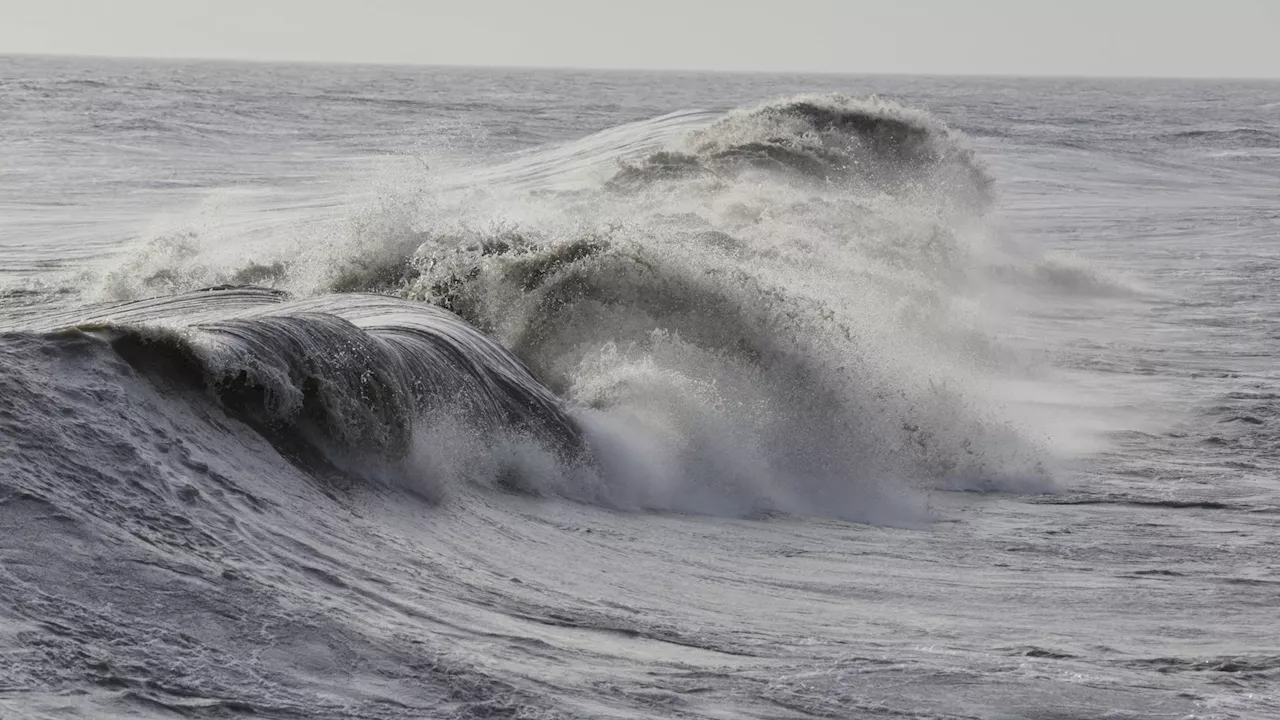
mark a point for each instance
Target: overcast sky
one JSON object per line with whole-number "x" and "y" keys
{"x": 1188, "y": 38}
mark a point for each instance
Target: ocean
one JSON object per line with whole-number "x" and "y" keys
{"x": 415, "y": 392}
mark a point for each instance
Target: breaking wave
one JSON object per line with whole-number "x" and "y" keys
{"x": 777, "y": 309}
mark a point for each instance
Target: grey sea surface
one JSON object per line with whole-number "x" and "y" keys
{"x": 406, "y": 392}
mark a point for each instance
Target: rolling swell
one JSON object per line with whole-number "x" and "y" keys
{"x": 348, "y": 377}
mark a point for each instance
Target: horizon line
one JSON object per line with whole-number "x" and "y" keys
{"x": 617, "y": 69}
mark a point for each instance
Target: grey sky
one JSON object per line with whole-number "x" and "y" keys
{"x": 1220, "y": 38}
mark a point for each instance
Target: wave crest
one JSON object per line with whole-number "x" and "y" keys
{"x": 826, "y": 138}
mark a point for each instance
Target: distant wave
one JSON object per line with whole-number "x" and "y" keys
{"x": 1241, "y": 137}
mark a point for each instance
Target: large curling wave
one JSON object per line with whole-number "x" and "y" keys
{"x": 777, "y": 309}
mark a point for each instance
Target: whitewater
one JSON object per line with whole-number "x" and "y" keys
{"x": 385, "y": 392}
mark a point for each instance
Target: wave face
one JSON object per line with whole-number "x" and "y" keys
{"x": 778, "y": 309}
{"x": 342, "y": 381}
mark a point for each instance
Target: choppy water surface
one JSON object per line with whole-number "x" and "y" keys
{"x": 364, "y": 392}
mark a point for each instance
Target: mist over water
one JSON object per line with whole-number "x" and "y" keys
{"x": 468, "y": 393}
